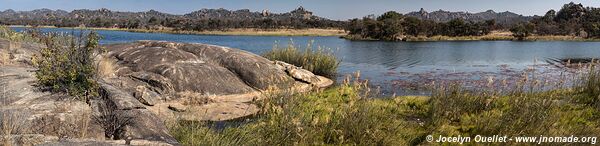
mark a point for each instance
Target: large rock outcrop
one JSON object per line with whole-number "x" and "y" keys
{"x": 199, "y": 81}
{"x": 145, "y": 85}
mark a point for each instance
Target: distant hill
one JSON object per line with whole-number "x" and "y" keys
{"x": 200, "y": 14}
{"x": 299, "y": 13}
{"x": 504, "y": 18}
{"x": 105, "y": 17}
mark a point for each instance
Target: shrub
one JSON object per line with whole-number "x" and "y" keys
{"x": 27, "y": 36}
{"x": 66, "y": 64}
{"x": 320, "y": 61}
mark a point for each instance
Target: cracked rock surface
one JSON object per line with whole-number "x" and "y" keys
{"x": 148, "y": 84}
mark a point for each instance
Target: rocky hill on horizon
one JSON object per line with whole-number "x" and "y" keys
{"x": 45, "y": 13}
{"x": 108, "y": 18}
{"x": 244, "y": 17}
{"x": 506, "y": 18}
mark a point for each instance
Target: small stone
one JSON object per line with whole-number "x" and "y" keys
{"x": 177, "y": 107}
{"x": 146, "y": 96}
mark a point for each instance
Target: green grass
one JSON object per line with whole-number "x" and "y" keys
{"x": 343, "y": 115}
{"x": 457, "y": 112}
{"x": 320, "y": 61}
{"x": 337, "y": 116}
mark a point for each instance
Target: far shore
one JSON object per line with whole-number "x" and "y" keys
{"x": 236, "y": 31}
{"x": 494, "y": 36}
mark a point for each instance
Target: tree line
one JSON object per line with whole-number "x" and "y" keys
{"x": 394, "y": 26}
{"x": 572, "y": 20}
{"x": 182, "y": 23}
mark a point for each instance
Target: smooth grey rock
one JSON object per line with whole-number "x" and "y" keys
{"x": 177, "y": 107}
{"x": 28, "y": 110}
{"x": 122, "y": 100}
{"x": 298, "y": 73}
{"x": 147, "y": 126}
{"x": 146, "y": 96}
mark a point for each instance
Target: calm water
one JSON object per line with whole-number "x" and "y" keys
{"x": 387, "y": 64}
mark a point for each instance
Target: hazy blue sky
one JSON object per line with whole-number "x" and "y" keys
{"x": 334, "y": 9}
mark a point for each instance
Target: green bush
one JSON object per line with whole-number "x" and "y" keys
{"x": 66, "y": 64}
{"x": 27, "y": 36}
{"x": 320, "y": 61}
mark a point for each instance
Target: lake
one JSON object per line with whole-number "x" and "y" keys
{"x": 397, "y": 66}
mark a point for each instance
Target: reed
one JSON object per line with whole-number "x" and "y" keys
{"x": 320, "y": 61}
{"x": 338, "y": 116}
{"x": 346, "y": 115}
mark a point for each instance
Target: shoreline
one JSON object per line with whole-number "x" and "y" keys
{"x": 495, "y": 36}
{"x": 237, "y": 31}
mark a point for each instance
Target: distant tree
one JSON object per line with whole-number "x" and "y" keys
{"x": 592, "y": 22}
{"x": 456, "y": 27}
{"x": 549, "y": 16}
{"x": 354, "y": 26}
{"x": 570, "y": 11}
{"x": 522, "y": 31}
{"x": 153, "y": 21}
{"x": 412, "y": 26}
{"x": 391, "y": 28}
{"x": 390, "y": 15}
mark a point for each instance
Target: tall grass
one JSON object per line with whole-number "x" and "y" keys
{"x": 320, "y": 61}
{"x": 455, "y": 111}
{"x": 337, "y": 116}
{"x": 589, "y": 87}
{"x": 345, "y": 116}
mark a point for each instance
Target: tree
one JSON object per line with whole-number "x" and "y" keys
{"x": 456, "y": 27}
{"x": 570, "y": 11}
{"x": 390, "y": 15}
{"x": 522, "y": 31}
{"x": 153, "y": 21}
{"x": 592, "y": 22}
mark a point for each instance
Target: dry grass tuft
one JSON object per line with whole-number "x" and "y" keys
{"x": 193, "y": 98}
{"x": 106, "y": 67}
{"x": 4, "y": 58}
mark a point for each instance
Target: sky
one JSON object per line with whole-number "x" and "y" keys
{"x": 332, "y": 9}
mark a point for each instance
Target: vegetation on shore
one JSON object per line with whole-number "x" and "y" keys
{"x": 238, "y": 31}
{"x": 320, "y": 61}
{"x": 494, "y": 36}
{"x": 245, "y": 32}
{"x": 573, "y": 22}
{"x": 65, "y": 63}
{"x": 205, "y": 20}
{"x": 348, "y": 115}
{"x": 352, "y": 114}
{"x": 9, "y": 34}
